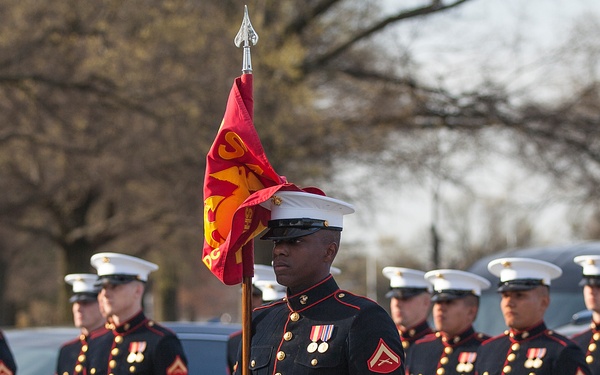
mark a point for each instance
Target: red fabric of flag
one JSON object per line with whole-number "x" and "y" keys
{"x": 236, "y": 168}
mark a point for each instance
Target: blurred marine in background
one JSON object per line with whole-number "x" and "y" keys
{"x": 588, "y": 340}
{"x": 136, "y": 345}
{"x": 528, "y": 346}
{"x": 452, "y": 350}
{"x": 73, "y": 355}
{"x": 410, "y": 301}
{"x": 7, "y": 362}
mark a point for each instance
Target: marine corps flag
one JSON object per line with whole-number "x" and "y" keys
{"x": 236, "y": 167}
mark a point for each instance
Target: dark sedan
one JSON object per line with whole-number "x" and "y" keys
{"x": 205, "y": 343}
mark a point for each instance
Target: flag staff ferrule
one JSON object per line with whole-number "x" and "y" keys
{"x": 246, "y": 38}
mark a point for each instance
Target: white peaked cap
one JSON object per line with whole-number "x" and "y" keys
{"x": 514, "y": 269}
{"x": 263, "y": 272}
{"x": 271, "y": 290}
{"x": 455, "y": 280}
{"x": 82, "y": 282}
{"x": 297, "y": 205}
{"x": 590, "y": 264}
{"x": 405, "y": 277}
{"x": 115, "y": 264}
{"x": 265, "y": 280}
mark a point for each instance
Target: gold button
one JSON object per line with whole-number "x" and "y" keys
{"x": 589, "y": 359}
{"x": 596, "y": 336}
{"x": 93, "y": 371}
{"x": 81, "y": 358}
{"x": 287, "y": 336}
{"x": 511, "y": 357}
{"x": 303, "y": 299}
{"x": 84, "y": 348}
{"x": 118, "y": 339}
{"x": 592, "y": 347}
{"x": 277, "y": 373}
{"x": 132, "y": 369}
{"x": 507, "y": 369}
{"x": 405, "y": 344}
{"x": 294, "y": 317}
{"x": 515, "y": 346}
{"x": 444, "y": 360}
{"x": 525, "y": 335}
{"x": 341, "y": 295}
{"x": 280, "y": 356}
{"x": 112, "y": 363}
{"x": 486, "y": 373}
{"x": 114, "y": 351}
{"x": 314, "y": 362}
{"x": 81, "y": 337}
{"x": 448, "y": 350}
{"x": 151, "y": 323}
{"x": 65, "y": 373}
{"x": 78, "y": 368}
{"x": 440, "y": 371}
{"x": 252, "y": 363}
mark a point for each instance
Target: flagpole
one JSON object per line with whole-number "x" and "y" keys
{"x": 246, "y": 37}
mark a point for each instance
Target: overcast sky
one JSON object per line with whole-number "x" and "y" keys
{"x": 516, "y": 41}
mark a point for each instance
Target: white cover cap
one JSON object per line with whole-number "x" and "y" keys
{"x": 405, "y": 282}
{"x": 115, "y": 264}
{"x": 265, "y": 280}
{"x": 590, "y": 264}
{"x": 84, "y": 287}
{"x": 296, "y": 214}
{"x": 453, "y": 282}
{"x": 82, "y": 282}
{"x": 523, "y": 273}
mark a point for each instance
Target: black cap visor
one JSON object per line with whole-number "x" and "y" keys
{"x": 405, "y": 293}
{"x": 450, "y": 294}
{"x": 84, "y": 297}
{"x": 591, "y": 280}
{"x": 285, "y": 229}
{"x": 115, "y": 279}
{"x": 519, "y": 285}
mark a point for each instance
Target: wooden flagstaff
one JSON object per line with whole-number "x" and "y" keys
{"x": 245, "y": 38}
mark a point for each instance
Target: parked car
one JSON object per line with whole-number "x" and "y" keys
{"x": 205, "y": 343}
{"x": 566, "y": 297}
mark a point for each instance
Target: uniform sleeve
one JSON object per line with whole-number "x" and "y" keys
{"x": 7, "y": 362}
{"x": 374, "y": 344}
{"x": 571, "y": 361}
{"x": 169, "y": 358}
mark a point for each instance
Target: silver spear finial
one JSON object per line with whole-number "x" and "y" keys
{"x": 246, "y": 37}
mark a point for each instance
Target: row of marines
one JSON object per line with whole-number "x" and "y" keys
{"x": 526, "y": 347}
{"x": 318, "y": 328}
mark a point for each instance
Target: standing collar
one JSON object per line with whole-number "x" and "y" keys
{"x": 526, "y": 334}
{"x": 132, "y": 323}
{"x": 313, "y": 295}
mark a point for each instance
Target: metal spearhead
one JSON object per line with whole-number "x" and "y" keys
{"x": 246, "y": 37}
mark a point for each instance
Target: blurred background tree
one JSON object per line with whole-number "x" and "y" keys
{"x": 109, "y": 107}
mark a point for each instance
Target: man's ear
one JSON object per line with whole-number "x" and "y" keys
{"x": 331, "y": 252}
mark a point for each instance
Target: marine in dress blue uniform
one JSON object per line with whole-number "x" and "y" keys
{"x": 590, "y": 338}
{"x": 528, "y": 346}
{"x": 410, "y": 302}
{"x": 453, "y": 348}
{"x": 318, "y": 328}
{"x": 73, "y": 355}
{"x": 135, "y": 344}
{"x": 7, "y": 362}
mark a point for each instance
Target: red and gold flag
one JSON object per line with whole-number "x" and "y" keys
{"x": 236, "y": 168}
